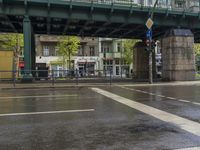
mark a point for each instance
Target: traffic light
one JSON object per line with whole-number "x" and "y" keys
{"x": 147, "y": 45}
{"x": 153, "y": 44}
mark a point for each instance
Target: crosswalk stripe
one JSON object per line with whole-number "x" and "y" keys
{"x": 183, "y": 123}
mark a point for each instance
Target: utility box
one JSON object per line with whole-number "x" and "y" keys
{"x": 6, "y": 64}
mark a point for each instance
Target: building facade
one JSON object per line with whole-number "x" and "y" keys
{"x": 111, "y": 56}
{"x": 86, "y": 60}
{"x": 95, "y": 56}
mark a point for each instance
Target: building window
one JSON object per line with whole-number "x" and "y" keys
{"x": 81, "y": 50}
{"x": 141, "y": 2}
{"x": 109, "y": 62}
{"x": 105, "y": 48}
{"x": 110, "y": 69}
{"x": 56, "y": 51}
{"x": 108, "y": 50}
{"x": 150, "y": 2}
{"x": 46, "y": 50}
{"x": 179, "y": 4}
{"x": 117, "y": 61}
{"x": 92, "y": 51}
{"x": 117, "y": 70}
{"x": 52, "y": 51}
{"x": 118, "y": 47}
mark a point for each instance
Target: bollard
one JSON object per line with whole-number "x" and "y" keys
{"x": 52, "y": 74}
{"x": 14, "y": 78}
{"x": 76, "y": 76}
{"x": 110, "y": 77}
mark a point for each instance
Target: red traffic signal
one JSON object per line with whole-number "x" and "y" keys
{"x": 147, "y": 42}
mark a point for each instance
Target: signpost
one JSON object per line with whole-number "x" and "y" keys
{"x": 149, "y": 34}
{"x": 149, "y": 23}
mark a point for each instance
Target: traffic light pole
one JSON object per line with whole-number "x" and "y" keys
{"x": 150, "y": 64}
{"x": 150, "y": 50}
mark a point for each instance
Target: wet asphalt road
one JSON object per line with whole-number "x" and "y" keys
{"x": 108, "y": 126}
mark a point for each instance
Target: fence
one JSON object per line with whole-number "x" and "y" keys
{"x": 60, "y": 76}
{"x": 184, "y": 5}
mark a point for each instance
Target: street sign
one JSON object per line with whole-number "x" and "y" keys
{"x": 149, "y": 23}
{"x": 149, "y": 34}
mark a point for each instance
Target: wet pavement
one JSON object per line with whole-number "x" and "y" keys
{"x": 81, "y": 119}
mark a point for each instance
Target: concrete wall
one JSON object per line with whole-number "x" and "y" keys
{"x": 6, "y": 64}
{"x": 178, "y": 58}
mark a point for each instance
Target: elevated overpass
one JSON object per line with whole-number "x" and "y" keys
{"x": 116, "y": 18}
{"x": 92, "y": 18}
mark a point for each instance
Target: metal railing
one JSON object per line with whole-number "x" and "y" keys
{"x": 73, "y": 77}
{"x": 185, "y": 5}
{"x": 188, "y": 5}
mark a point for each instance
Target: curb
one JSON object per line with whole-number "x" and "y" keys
{"x": 50, "y": 87}
{"x": 192, "y": 83}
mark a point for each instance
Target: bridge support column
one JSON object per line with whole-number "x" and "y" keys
{"x": 141, "y": 62}
{"x": 178, "y": 55}
{"x": 28, "y": 49}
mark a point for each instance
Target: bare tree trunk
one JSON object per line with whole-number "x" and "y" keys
{"x": 63, "y": 64}
{"x": 69, "y": 61}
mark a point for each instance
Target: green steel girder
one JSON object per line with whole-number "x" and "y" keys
{"x": 71, "y": 10}
{"x": 27, "y": 44}
{"x": 138, "y": 17}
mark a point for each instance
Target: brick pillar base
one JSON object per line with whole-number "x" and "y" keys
{"x": 178, "y": 55}
{"x": 141, "y": 62}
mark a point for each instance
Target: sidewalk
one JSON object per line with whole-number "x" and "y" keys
{"x": 7, "y": 86}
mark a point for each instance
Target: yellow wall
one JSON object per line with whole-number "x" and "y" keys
{"x": 6, "y": 64}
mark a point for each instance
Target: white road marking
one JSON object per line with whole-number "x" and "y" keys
{"x": 161, "y": 96}
{"x": 185, "y": 124}
{"x": 39, "y": 96}
{"x": 46, "y": 112}
{"x": 151, "y": 93}
{"x": 195, "y": 103}
{"x": 171, "y": 98}
{"x": 192, "y": 148}
{"x": 182, "y": 100}
{"x": 137, "y": 90}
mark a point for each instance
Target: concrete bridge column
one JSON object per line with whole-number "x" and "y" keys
{"x": 29, "y": 48}
{"x": 141, "y": 61}
{"x": 140, "y": 58}
{"x": 178, "y": 55}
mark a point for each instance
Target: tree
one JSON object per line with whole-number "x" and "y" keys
{"x": 68, "y": 47}
{"x": 197, "y": 48}
{"x": 128, "y": 46}
{"x": 12, "y": 41}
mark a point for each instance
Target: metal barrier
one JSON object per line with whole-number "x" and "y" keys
{"x": 190, "y": 6}
{"x": 59, "y": 76}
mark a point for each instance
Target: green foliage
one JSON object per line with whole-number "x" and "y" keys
{"x": 197, "y": 48}
{"x": 12, "y": 41}
{"x": 68, "y": 47}
{"x": 128, "y": 45}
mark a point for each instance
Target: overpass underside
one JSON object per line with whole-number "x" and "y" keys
{"x": 92, "y": 18}
{"x": 88, "y": 18}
